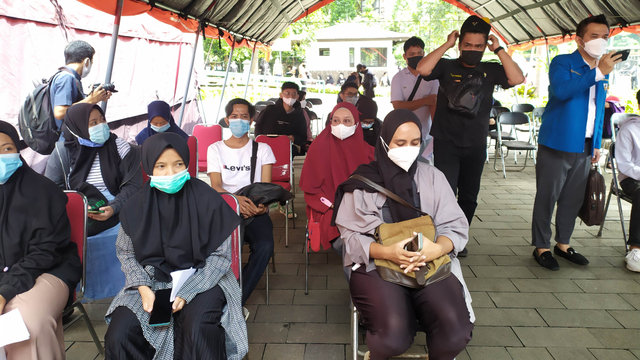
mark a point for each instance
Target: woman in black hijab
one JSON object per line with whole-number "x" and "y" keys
{"x": 39, "y": 266}
{"x": 390, "y": 311}
{"x": 95, "y": 162}
{"x": 176, "y": 223}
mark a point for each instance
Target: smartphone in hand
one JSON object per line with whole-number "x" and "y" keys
{"x": 162, "y": 309}
{"x": 624, "y": 53}
{"x": 415, "y": 244}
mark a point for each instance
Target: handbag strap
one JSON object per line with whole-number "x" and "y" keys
{"x": 415, "y": 88}
{"x": 387, "y": 193}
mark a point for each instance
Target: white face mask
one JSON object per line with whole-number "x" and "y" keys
{"x": 596, "y": 47}
{"x": 342, "y": 131}
{"x": 303, "y": 104}
{"x": 289, "y": 101}
{"x": 403, "y": 156}
{"x": 86, "y": 68}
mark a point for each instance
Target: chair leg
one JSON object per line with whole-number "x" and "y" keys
{"x": 354, "y": 332}
{"x": 286, "y": 225}
{"x": 624, "y": 233}
{"x": 504, "y": 169}
{"x": 267, "y": 285}
{"x": 92, "y": 331}
{"x": 306, "y": 264}
{"x": 273, "y": 262}
{"x": 606, "y": 208}
{"x": 293, "y": 210}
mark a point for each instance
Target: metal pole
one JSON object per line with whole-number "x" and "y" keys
{"x": 226, "y": 76}
{"x": 186, "y": 90}
{"x": 112, "y": 51}
{"x": 253, "y": 53}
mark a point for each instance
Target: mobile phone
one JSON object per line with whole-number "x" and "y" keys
{"x": 162, "y": 310}
{"x": 624, "y": 53}
{"x": 95, "y": 211}
{"x": 415, "y": 244}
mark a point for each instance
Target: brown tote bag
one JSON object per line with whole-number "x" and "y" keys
{"x": 592, "y": 210}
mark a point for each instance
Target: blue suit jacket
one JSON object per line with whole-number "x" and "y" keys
{"x": 564, "y": 121}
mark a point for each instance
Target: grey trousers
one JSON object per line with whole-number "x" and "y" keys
{"x": 561, "y": 177}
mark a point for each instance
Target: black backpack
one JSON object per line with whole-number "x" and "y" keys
{"x": 36, "y": 121}
{"x": 466, "y": 97}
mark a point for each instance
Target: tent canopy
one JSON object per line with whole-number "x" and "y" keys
{"x": 253, "y": 21}
{"x": 537, "y": 22}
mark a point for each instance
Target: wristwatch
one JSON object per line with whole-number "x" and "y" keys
{"x": 496, "y": 51}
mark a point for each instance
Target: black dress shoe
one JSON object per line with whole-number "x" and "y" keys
{"x": 571, "y": 255}
{"x": 463, "y": 253}
{"x": 546, "y": 260}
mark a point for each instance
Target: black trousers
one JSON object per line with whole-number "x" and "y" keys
{"x": 259, "y": 235}
{"x": 463, "y": 168}
{"x": 393, "y": 312}
{"x": 631, "y": 187}
{"x": 199, "y": 335}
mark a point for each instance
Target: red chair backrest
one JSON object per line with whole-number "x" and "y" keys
{"x": 206, "y": 135}
{"x": 281, "y": 147}
{"x": 192, "y": 142}
{"x": 236, "y": 247}
{"x": 77, "y": 212}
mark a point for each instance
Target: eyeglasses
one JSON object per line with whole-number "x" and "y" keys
{"x": 351, "y": 94}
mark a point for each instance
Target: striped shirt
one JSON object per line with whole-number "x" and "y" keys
{"x": 95, "y": 174}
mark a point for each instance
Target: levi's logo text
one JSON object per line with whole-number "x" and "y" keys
{"x": 237, "y": 168}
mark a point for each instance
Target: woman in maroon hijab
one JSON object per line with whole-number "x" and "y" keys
{"x": 333, "y": 156}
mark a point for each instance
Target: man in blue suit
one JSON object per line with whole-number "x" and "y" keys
{"x": 569, "y": 139}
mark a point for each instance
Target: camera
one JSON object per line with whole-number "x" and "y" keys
{"x": 106, "y": 87}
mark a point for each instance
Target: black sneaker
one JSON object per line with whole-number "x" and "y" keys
{"x": 571, "y": 255}
{"x": 463, "y": 253}
{"x": 546, "y": 260}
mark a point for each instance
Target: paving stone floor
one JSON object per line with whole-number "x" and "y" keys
{"x": 523, "y": 311}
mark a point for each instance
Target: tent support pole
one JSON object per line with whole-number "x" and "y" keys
{"x": 114, "y": 42}
{"x": 226, "y": 77}
{"x": 253, "y": 53}
{"x": 186, "y": 90}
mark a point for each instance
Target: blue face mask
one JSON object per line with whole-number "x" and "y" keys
{"x": 367, "y": 126}
{"x": 160, "y": 129}
{"x": 9, "y": 163}
{"x": 99, "y": 134}
{"x": 170, "y": 184}
{"x": 238, "y": 127}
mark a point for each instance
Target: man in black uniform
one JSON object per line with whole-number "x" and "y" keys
{"x": 460, "y": 132}
{"x": 367, "y": 81}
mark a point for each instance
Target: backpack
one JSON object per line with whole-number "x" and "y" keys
{"x": 36, "y": 121}
{"x": 466, "y": 97}
{"x": 592, "y": 210}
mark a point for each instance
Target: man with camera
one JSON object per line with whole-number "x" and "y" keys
{"x": 66, "y": 87}
{"x": 569, "y": 139}
{"x": 461, "y": 122}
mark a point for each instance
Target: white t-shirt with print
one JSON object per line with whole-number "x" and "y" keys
{"x": 234, "y": 165}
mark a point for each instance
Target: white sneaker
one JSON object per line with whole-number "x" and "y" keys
{"x": 633, "y": 260}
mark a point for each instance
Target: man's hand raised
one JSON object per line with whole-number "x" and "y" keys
{"x": 452, "y": 38}
{"x": 608, "y": 61}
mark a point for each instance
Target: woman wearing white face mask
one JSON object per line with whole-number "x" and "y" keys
{"x": 333, "y": 156}
{"x": 442, "y": 308}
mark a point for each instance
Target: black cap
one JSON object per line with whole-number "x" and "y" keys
{"x": 475, "y": 24}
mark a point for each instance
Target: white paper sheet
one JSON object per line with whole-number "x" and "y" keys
{"x": 12, "y": 328}
{"x": 179, "y": 278}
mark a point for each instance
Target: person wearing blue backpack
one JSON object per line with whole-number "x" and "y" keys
{"x": 569, "y": 139}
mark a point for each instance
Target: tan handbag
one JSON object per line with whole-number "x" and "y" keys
{"x": 389, "y": 234}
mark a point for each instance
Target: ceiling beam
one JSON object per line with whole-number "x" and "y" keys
{"x": 524, "y": 8}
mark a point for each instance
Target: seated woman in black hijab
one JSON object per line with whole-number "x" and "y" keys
{"x": 39, "y": 266}
{"x": 392, "y": 312}
{"x": 92, "y": 160}
{"x": 176, "y": 223}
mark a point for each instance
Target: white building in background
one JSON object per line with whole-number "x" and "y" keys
{"x": 341, "y": 47}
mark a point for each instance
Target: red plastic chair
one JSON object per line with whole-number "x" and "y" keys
{"x": 236, "y": 247}
{"x": 192, "y": 143}
{"x": 206, "y": 135}
{"x": 282, "y": 172}
{"x": 77, "y": 212}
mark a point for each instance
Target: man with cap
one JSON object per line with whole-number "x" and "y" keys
{"x": 285, "y": 117}
{"x": 369, "y": 121}
{"x": 461, "y": 123}
{"x": 423, "y": 101}
{"x": 367, "y": 81}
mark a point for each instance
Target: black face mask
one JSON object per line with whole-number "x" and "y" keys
{"x": 471, "y": 58}
{"x": 413, "y": 61}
